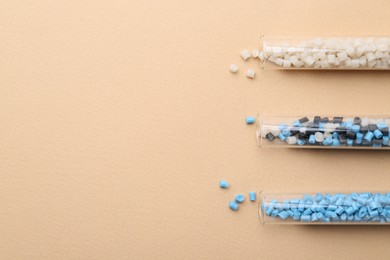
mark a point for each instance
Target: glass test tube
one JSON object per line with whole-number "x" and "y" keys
{"x": 328, "y": 132}
{"x": 359, "y": 208}
{"x": 342, "y": 53}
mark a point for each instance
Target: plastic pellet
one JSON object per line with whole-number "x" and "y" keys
{"x": 296, "y": 215}
{"x": 223, "y": 184}
{"x": 385, "y": 131}
{"x": 328, "y": 141}
{"x": 250, "y": 73}
{"x": 269, "y": 211}
{"x": 356, "y": 128}
{"x": 275, "y": 131}
{"x": 370, "y": 56}
{"x": 255, "y": 53}
{"x": 279, "y": 61}
{"x": 282, "y": 137}
{"x": 283, "y": 214}
{"x": 373, "y": 205}
{"x": 342, "y": 56}
{"x": 312, "y": 139}
{"x": 274, "y": 213}
{"x": 381, "y": 126}
{"x": 362, "y": 212}
{"x": 252, "y": 196}
{"x": 245, "y": 54}
{"x": 355, "y": 63}
{"x": 350, "y": 135}
{"x": 368, "y": 137}
{"x": 364, "y": 129}
{"x": 303, "y": 120}
{"x": 250, "y": 120}
{"x": 270, "y": 137}
{"x": 233, "y": 205}
{"x": 385, "y": 140}
{"x": 286, "y": 63}
{"x": 319, "y": 137}
{"x": 373, "y": 213}
{"x": 309, "y": 60}
{"x": 305, "y": 218}
{"x": 239, "y": 198}
{"x": 363, "y": 61}
{"x": 359, "y": 51}
{"x": 233, "y": 68}
{"x": 342, "y": 139}
{"x": 350, "y": 51}
{"x": 372, "y": 127}
{"x": 291, "y": 140}
{"x": 336, "y": 142}
{"x": 350, "y": 211}
{"x": 378, "y": 134}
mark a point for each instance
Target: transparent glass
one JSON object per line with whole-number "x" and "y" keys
{"x": 354, "y": 208}
{"x": 324, "y": 131}
{"x": 325, "y": 53}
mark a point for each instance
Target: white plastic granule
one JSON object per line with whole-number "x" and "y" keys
{"x": 355, "y": 63}
{"x": 245, "y": 54}
{"x": 342, "y": 56}
{"x": 350, "y": 51}
{"x": 264, "y": 131}
{"x": 371, "y": 63}
{"x": 291, "y": 140}
{"x": 379, "y": 54}
{"x": 275, "y": 131}
{"x": 279, "y": 61}
{"x": 331, "y": 59}
{"x": 250, "y": 73}
{"x": 255, "y": 53}
{"x": 319, "y": 137}
{"x": 287, "y": 63}
{"x": 363, "y": 61}
{"x": 233, "y": 68}
{"x": 309, "y": 60}
{"x": 359, "y": 51}
{"x": 324, "y": 64}
{"x": 370, "y": 56}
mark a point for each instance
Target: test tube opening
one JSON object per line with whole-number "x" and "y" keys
{"x": 261, "y": 208}
{"x": 263, "y": 57}
{"x": 259, "y": 137}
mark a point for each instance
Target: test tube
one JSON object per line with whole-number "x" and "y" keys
{"x": 327, "y": 132}
{"x": 325, "y": 53}
{"x": 353, "y": 208}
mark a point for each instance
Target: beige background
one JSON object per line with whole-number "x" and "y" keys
{"x": 118, "y": 118}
